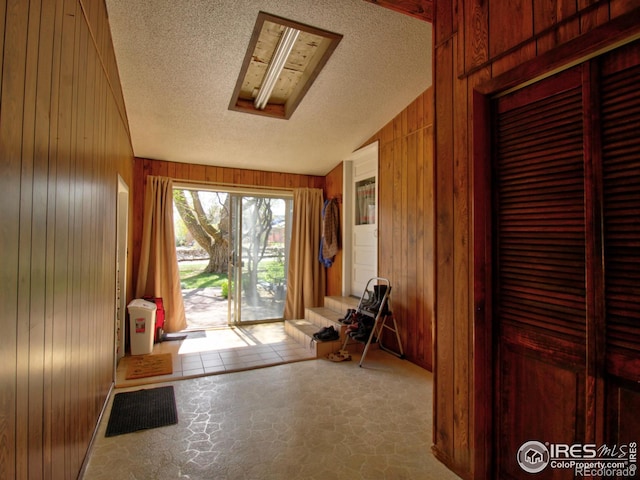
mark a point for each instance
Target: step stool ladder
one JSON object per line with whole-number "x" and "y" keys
{"x": 379, "y": 310}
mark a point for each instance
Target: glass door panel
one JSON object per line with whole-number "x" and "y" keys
{"x": 260, "y": 236}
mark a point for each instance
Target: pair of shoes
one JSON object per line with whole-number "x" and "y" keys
{"x": 369, "y": 300}
{"x": 349, "y": 317}
{"x": 379, "y": 293}
{"x": 363, "y": 337}
{"x": 363, "y": 331}
{"x": 352, "y": 328}
{"x": 341, "y": 356}
{"x": 326, "y": 334}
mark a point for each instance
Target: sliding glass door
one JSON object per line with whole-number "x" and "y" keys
{"x": 260, "y": 230}
{"x": 233, "y": 249}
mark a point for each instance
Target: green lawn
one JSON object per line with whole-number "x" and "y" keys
{"x": 192, "y": 275}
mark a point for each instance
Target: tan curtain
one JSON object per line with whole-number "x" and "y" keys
{"x": 158, "y": 275}
{"x": 306, "y": 275}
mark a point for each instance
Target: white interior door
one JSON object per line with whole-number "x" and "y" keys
{"x": 361, "y": 219}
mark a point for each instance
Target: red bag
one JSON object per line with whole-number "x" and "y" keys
{"x": 159, "y": 318}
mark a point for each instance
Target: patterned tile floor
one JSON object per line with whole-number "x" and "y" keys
{"x": 223, "y": 350}
{"x": 304, "y": 420}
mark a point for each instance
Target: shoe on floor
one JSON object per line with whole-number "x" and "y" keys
{"x": 340, "y": 356}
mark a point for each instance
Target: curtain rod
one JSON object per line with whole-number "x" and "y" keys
{"x": 231, "y": 187}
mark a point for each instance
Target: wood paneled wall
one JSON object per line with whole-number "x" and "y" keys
{"x": 475, "y": 52}
{"x": 63, "y": 140}
{"x": 406, "y": 223}
{"x": 333, "y": 189}
{"x": 206, "y": 174}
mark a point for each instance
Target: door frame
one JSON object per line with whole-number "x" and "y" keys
{"x": 238, "y": 191}
{"x": 122, "y": 243}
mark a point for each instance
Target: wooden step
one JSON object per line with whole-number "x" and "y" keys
{"x": 341, "y": 304}
{"x": 316, "y": 318}
{"x": 302, "y": 331}
{"x": 324, "y": 317}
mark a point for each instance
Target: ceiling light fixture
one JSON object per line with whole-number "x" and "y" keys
{"x": 276, "y": 65}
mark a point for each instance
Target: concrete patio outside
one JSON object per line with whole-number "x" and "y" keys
{"x": 206, "y": 308}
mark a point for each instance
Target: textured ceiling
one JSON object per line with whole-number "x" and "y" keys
{"x": 179, "y": 62}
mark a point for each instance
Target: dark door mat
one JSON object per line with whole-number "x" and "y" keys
{"x": 142, "y": 409}
{"x": 167, "y": 337}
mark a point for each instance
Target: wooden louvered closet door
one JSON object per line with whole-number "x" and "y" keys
{"x": 539, "y": 257}
{"x": 566, "y": 260}
{"x": 620, "y": 119}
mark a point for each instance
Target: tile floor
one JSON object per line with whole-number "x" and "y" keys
{"x": 304, "y": 420}
{"x": 223, "y": 350}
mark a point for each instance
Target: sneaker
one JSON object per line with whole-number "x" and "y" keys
{"x": 327, "y": 334}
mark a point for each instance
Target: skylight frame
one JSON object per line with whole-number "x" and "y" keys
{"x": 283, "y": 111}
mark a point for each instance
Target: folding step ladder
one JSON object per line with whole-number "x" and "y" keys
{"x": 375, "y": 304}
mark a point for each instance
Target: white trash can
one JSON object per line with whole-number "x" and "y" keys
{"x": 142, "y": 325}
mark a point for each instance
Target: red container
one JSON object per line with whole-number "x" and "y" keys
{"x": 159, "y": 318}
